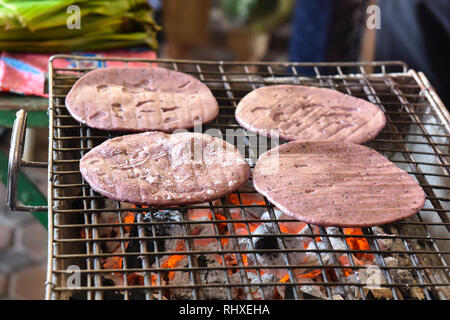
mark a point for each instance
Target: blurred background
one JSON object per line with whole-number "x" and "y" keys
{"x": 414, "y": 31}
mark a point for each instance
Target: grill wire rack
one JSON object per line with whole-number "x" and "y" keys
{"x": 416, "y": 139}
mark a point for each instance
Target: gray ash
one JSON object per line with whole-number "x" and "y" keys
{"x": 208, "y": 275}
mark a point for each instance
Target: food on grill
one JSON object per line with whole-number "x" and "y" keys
{"x": 140, "y": 99}
{"x": 159, "y": 169}
{"x": 295, "y": 112}
{"x": 330, "y": 183}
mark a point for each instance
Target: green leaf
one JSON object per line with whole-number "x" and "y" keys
{"x": 123, "y": 22}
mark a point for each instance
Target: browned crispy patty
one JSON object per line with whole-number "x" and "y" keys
{"x": 295, "y": 112}
{"x": 140, "y": 99}
{"x": 330, "y": 183}
{"x": 159, "y": 169}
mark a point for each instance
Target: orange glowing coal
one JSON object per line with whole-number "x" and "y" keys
{"x": 222, "y": 228}
{"x": 113, "y": 263}
{"x": 345, "y": 261}
{"x": 116, "y": 262}
{"x": 198, "y": 213}
{"x": 173, "y": 259}
{"x": 128, "y": 218}
{"x": 358, "y": 243}
{"x": 154, "y": 279}
{"x": 246, "y": 199}
{"x": 309, "y": 275}
{"x": 292, "y": 226}
{"x": 355, "y": 243}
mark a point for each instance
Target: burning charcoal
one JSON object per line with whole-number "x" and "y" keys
{"x": 307, "y": 287}
{"x": 312, "y": 257}
{"x": 165, "y": 216}
{"x": 405, "y": 277}
{"x": 372, "y": 277}
{"x": 313, "y": 290}
{"x": 270, "y": 242}
{"x": 207, "y": 276}
{"x": 221, "y": 293}
{"x": 203, "y": 231}
{"x": 292, "y": 226}
{"x": 181, "y": 278}
{"x": 111, "y": 217}
{"x": 136, "y": 294}
{"x": 385, "y": 243}
{"x": 266, "y": 215}
{"x": 266, "y": 292}
{"x": 306, "y": 230}
{"x": 109, "y": 231}
{"x": 168, "y": 229}
{"x": 247, "y": 197}
{"x": 246, "y": 244}
{"x": 336, "y": 242}
{"x": 216, "y": 277}
{"x": 206, "y": 233}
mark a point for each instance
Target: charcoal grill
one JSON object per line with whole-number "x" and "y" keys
{"x": 416, "y": 138}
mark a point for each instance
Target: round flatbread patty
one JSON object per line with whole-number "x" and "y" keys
{"x": 159, "y": 169}
{"x": 296, "y": 112}
{"x": 140, "y": 99}
{"x": 329, "y": 183}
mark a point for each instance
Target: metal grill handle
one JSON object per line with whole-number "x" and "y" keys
{"x": 15, "y": 162}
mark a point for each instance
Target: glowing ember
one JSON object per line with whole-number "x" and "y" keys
{"x": 198, "y": 214}
{"x": 173, "y": 260}
{"x": 236, "y": 213}
{"x": 345, "y": 261}
{"x": 310, "y": 275}
{"x": 358, "y": 243}
{"x": 210, "y": 227}
{"x": 246, "y": 199}
{"x": 222, "y": 228}
{"x": 113, "y": 263}
{"x": 154, "y": 279}
{"x": 291, "y": 227}
{"x": 128, "y": 218}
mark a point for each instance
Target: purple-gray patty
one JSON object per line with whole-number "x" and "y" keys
{"x": 331, "y": 183}
{"x": 140, "y": 99}
{"x": 159, "y": 169}
{"x": 295, "y": 112}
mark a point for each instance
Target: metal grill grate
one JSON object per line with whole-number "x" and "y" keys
{"x": 408, "y": 259}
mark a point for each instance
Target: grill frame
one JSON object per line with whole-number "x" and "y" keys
{"x": 372, "y": 78}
